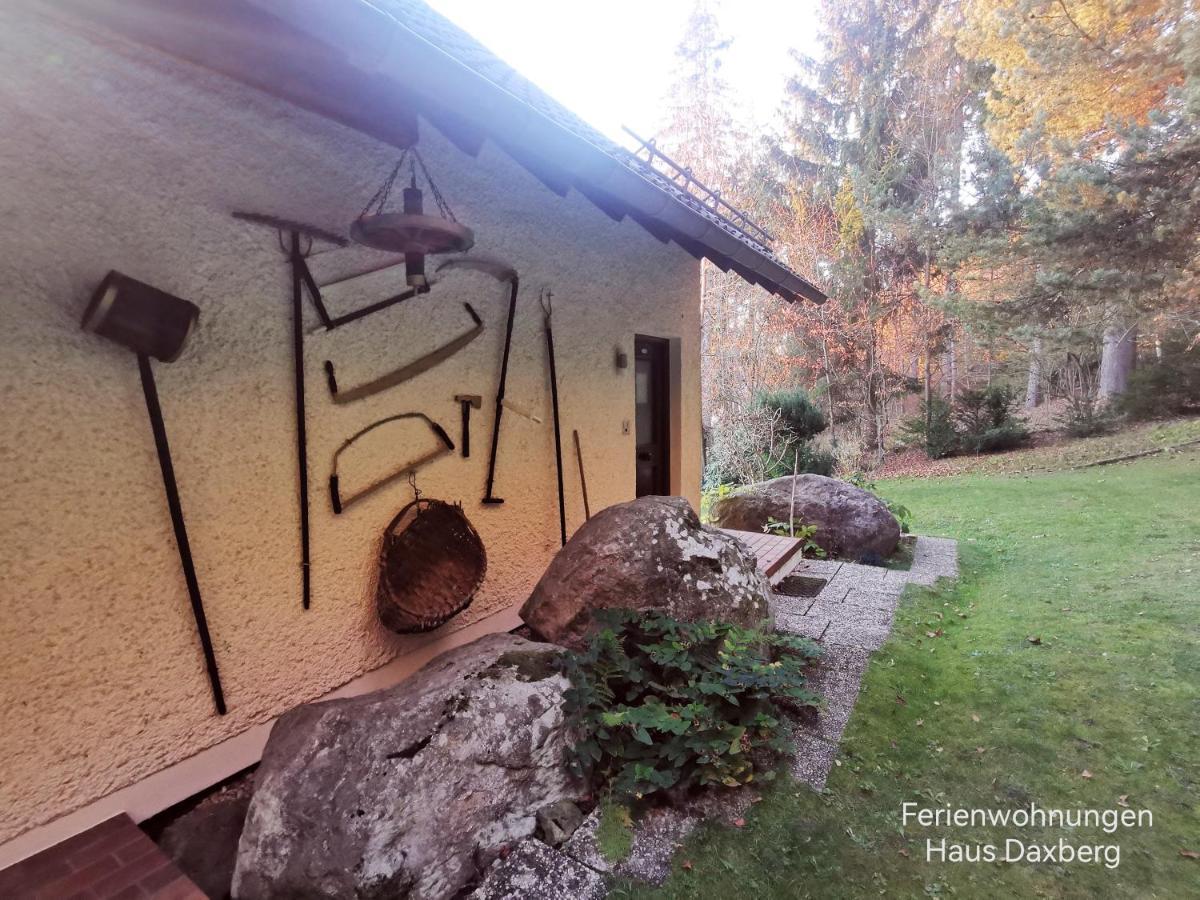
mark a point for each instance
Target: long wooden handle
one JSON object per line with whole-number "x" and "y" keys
{"x": 587, "y": 511}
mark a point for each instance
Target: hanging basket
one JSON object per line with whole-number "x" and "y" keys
{"x": 431, "y": 563}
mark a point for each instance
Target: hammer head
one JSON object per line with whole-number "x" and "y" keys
{"x": 475, "y": 400}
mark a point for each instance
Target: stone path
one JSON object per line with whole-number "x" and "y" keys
{"x": 851, "y": 616}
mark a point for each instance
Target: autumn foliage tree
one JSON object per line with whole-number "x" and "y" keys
{"x": 986, "y": 189}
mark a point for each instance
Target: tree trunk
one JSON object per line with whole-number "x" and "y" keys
{"x": 828, "y": 378}
{"x": 1117, "y": 360}
{"x": 951, "y": 367}
{"x": 1033, "y": 387}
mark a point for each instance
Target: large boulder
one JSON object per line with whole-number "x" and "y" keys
{"x": 851, "y": 523}
{"x": 413, "y": 791}
{"x": 648, "y": 554}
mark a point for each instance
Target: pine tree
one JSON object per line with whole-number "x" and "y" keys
{"x": 876, "y": 133}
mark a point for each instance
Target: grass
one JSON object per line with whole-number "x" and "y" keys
{"x": 1102, "y": 568}
{"x": 614, "y": 836}
{"x": 1074, "y": 452}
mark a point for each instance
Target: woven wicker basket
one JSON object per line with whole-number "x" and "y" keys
{"x": 431, "y": 563}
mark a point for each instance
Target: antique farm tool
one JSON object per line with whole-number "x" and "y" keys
{"x": 154, "y": 323}
{"x": 410, "y": 231}
{"x": 503, "y": 273}
{"x": 431, "y": 563}
{"x": 587, "y": 512}
{"x": 340, "y": 502}
{"x": 522, "y": 411}
{"x": 301, "y": 279}
{"x": 408, "y": 371}
{"x": 547, "y": 311}
{"x": 300, "y": 268}
{"x": 467, "y": 402}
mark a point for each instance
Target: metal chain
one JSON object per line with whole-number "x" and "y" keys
{"x": 442, "y": 205}
{"x": 380, "y": 197}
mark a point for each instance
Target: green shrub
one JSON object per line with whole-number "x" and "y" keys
{"x": 940, "y": 437}
{"x": 1084, "y": 416}
{"x": 799, "y": 417}
{"x": 1165, "y": 387}
{"x": 986, "y": 420}
{"x": 981, "y": 421}
{"x": 663, "y": 705}
{"x": 806, "y": 459}
{"x": 1004, "y": 437}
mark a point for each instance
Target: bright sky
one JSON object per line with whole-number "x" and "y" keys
{"x": 611, "y": 62}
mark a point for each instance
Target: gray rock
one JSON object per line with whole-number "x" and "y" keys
{"x": 536, "y": 872}
{"x": 851, "y": 523}
{"x": 203, "y": 842}
{"x": 558, "y": 821}
{"x": 649, "y": 554}
{"x": 415, "y": 790}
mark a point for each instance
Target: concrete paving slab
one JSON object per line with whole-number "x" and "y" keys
{"x": 804, "y": 626}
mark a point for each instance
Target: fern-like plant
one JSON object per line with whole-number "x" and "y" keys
{"x": 662, "y": 704}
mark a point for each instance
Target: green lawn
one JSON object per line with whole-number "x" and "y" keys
{"x": 1101, "y": 567}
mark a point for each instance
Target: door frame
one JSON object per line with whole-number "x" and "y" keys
{"x": 662, "y": 394}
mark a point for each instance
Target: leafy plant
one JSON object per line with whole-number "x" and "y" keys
{"x": 710, "y": 495}
{"x": 801, "y": 532}
{"x": 667, "y": 705}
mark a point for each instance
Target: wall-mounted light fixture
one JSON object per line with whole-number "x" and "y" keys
{"x": 154, "y": 323}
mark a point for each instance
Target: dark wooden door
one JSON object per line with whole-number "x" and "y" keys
{"x": 653, "y": 416}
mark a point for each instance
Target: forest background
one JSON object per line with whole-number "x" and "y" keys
{"x": 1001, "y": 198}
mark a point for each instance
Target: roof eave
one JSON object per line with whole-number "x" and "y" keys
{"x": 358, "y": 64}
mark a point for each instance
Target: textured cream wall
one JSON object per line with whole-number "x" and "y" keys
{"x": 112, "y": 156}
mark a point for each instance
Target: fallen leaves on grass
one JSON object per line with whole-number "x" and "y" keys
{"x": 974, "y": 717}
{"x": 900, "y": 701}
{"x": 1123, "y": 800}
{"x": 1085, "y": 774}
{"x": 686, "y": 864}
{"x": 1189, "y": 854}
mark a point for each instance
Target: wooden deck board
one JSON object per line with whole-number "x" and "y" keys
{"x": 776, "y": 554}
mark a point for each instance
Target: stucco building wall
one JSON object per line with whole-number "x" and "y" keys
{"x": 113, "y": 156}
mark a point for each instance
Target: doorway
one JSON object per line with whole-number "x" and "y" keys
{"x": 652, "y": 398}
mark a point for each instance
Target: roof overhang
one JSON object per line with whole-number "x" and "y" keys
{"x": 356, "y": 63}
